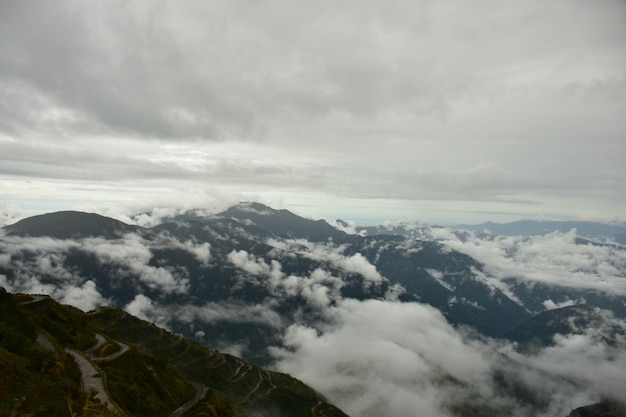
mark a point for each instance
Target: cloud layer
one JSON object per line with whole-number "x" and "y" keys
{"x": 401, "y": 359}
{"x": 38, "y": 266}
{"x": 507, "y": 108}
{"x": 554, "y": 260}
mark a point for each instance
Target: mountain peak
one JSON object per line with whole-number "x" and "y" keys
{"x": 282, "y": 222}
{"x": 252, "y": 207}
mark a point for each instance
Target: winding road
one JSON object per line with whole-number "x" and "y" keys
{"x": 91, "y": 379}
{"x": 100, "y": 340}
{"x": 201, "y": 391}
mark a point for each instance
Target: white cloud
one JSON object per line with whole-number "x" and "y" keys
{"x": 85, "y": 297}
{"x": 134, "y": 252}
{"x": 141, "y": 307}
{"x": 161, "y": 279}
{"x": 550, "y": 305}
{"x": 380, "y": 357}
{"x": 247, "y": 262}
{"x": 359, "y": 264}
{"x": 356, "y": 263}
{"x": 201, "y": 251}
{"x": 555, "y": 259}
{"x": 319, "y": 289}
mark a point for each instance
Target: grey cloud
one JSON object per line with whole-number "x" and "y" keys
{"x": 209, "y": 313}
{"x": 406, "y": 101}
{"x": 230, "y": 312}
{"x": 214, "y": 69}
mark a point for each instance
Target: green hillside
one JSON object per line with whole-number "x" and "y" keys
{"x": 38, "y": 380}
{"x": 247, "y": 387}
{"x": 142, "y": 370}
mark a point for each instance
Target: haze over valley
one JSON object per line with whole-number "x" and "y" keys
{"x": 383, "y": 319}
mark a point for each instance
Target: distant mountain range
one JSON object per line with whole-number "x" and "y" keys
{"x": 241, "y": 243}
{"x": 422, "y": 271}
{"x": 617, "y": 233}
{"x": 239, "y": 279}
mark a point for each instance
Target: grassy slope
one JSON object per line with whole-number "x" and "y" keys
{"x": 35, "y": 381}
{"x": 248, "y": 388}
{"x": 134, "y": 377}
{"x": 151, "y": 379}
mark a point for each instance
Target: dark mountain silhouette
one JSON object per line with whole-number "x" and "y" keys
{"x": 282, "y": 222}
{"x": 70, "y": 225}
{"x": 602, "y": 409}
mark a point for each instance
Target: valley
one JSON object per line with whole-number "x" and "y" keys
{"x": 242, "y": 298}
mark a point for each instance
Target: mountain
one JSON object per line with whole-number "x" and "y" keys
{"x": 246, "y": 228}
{"x": 68, "y": 225}
{"x": 261, "y": 285}
{"x": 536, "y": 227}
{"x": 419, "y": 231}
{"x": 140, "y": 369}
{"x": 282, "y": 222}
{"x": 602, "y": 409}
{"x": 254, "y": 258}
{"x": 540, "y": 330}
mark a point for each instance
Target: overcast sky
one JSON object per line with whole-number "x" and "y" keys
{"x": 441, "y": 111}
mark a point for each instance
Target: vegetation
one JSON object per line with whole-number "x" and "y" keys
{"x": 152, "y": 378}
{"x": 144, "y": 385}
{"x": 108, "y": 348}
{"x": 248, "y": 388}
{"x": 36, "y": 381}
{"x": 213, "y": 404}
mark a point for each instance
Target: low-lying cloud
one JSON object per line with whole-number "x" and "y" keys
{"x": 356, "y": 263}
{"x": 38, "y": 266}
{"x": 385, "y": 358}
{"x": 372, "y": 357}
{"x": 555, "y": 259}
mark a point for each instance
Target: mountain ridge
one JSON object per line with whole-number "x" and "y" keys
{"x": 542, "y": 227}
